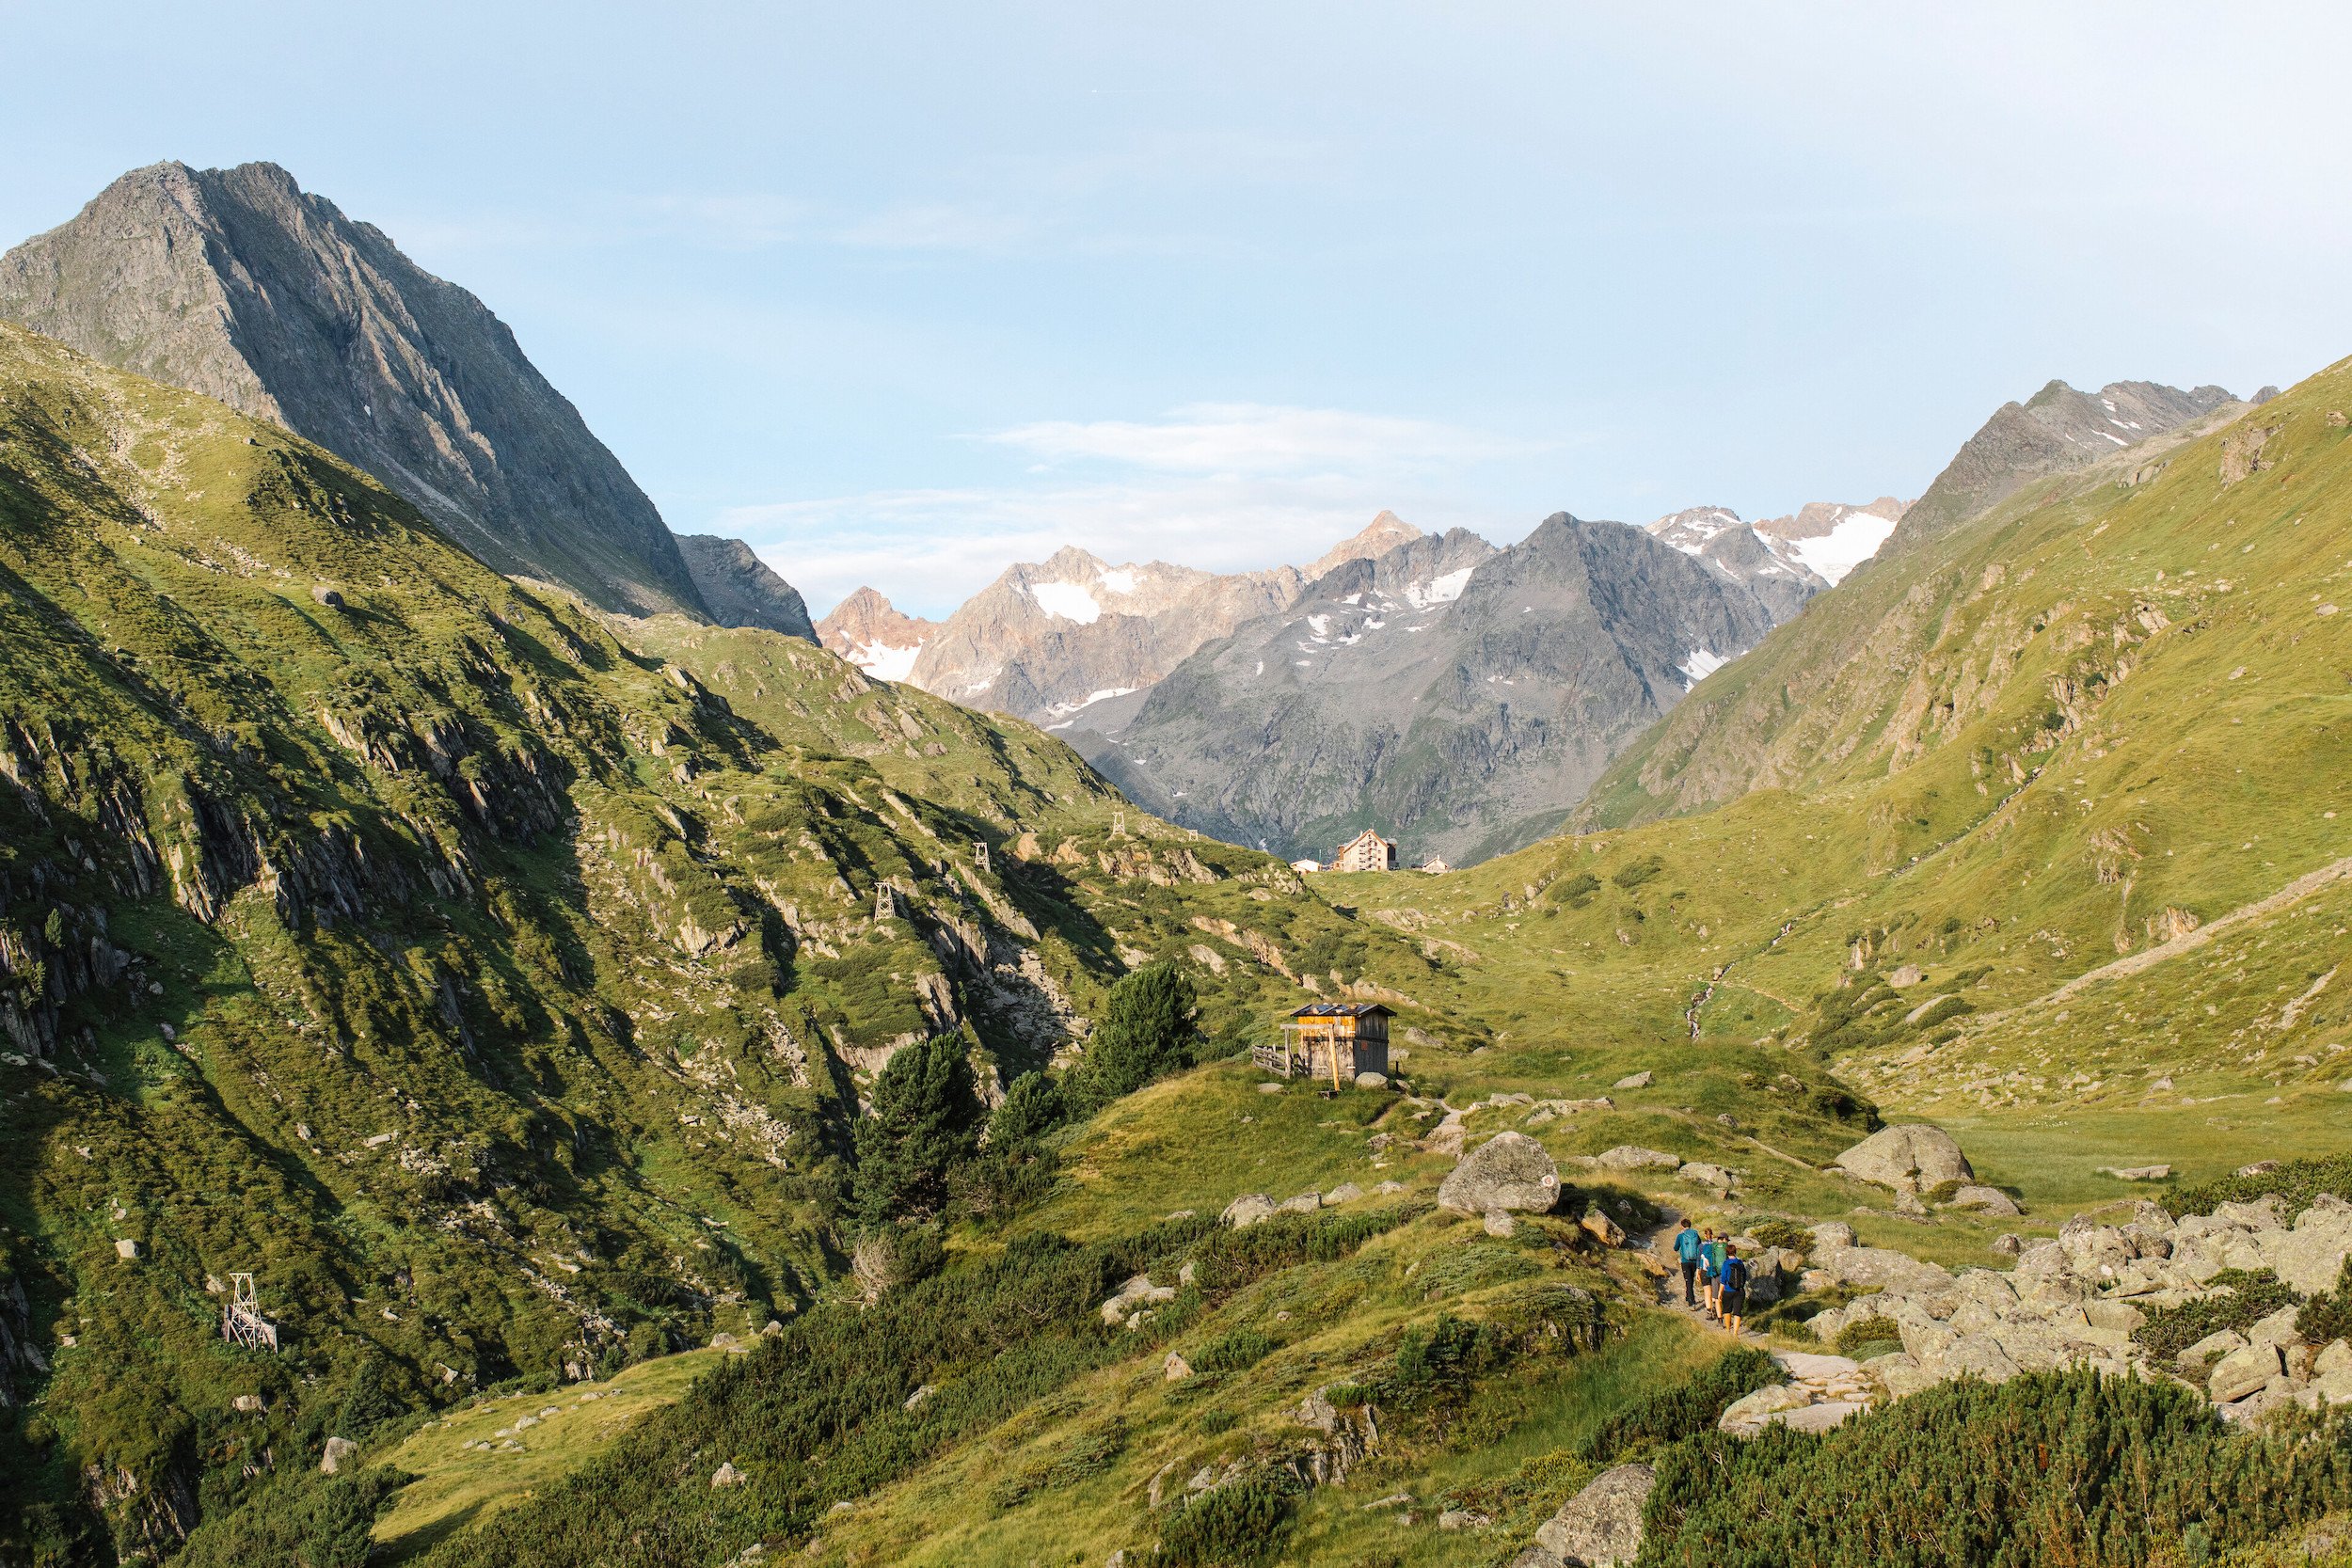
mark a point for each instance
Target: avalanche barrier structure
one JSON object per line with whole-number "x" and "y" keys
{"x": 241, "y": 1320}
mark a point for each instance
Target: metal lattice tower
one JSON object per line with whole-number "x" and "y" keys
{"x": 241, "y": 1320}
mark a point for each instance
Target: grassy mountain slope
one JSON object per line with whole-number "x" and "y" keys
{"x": 496, "y": 992}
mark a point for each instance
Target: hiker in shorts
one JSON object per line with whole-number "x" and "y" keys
{"x": 1732, "y": 1286}
{"x": 1707, "y": 1268}
{"x": 1688, "y": 1246}
{"x": 1718, "y": 1251}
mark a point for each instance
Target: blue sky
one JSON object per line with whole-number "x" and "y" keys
{"x": 903, "y": 294}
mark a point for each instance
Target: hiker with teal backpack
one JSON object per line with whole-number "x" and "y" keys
{"x": 1687, "y": 1245}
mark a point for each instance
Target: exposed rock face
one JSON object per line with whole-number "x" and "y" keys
{"x": 741, "y": 590}
{"x": 869, "y": 632}
{"x": 1601, "y": 1525}
{"x": 1509, "y": 1171}
{"x": 1908, "y": 1159}
{"x": 1716, "y": 537}
{"x": 1458, "y": 697}
{"x": 237, "y": 285}
{"x": 2056, "y": 430}
{"x": 1047, "y": 641}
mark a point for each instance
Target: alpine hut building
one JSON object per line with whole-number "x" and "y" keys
{"x": 1333, "y": 1041}
{"x": 1366, "y": 852}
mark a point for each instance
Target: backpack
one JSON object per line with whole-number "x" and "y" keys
{"x": 1688, "y": 1246}
{"x": 1735, "y": 1273}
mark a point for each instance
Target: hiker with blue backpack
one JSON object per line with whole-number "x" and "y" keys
{"x": 1732, "y": 1289}
{"x": 1717, "y": 1250}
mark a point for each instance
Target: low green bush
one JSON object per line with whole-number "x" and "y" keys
{"x": 1677, "y": 1413}
{"x": 1234, "y": 1526}
{"x": 2328, "y": 1317}
{"x": 2294, "y": 1184}
{"x": 1230, "y": 1352}
{"x": 2050, "y": 1468}
{"x": 2252, "y": 1295}
{"x": 1865, "y": 1332}
{"x": 308, "y": 1519}
{"x": 1785, "y": 1234}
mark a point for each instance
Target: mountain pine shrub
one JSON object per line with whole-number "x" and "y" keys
{"x": 2293, "y": 1182}
{"x": 1150, "y": 1025}
{"x": 2252, "y": 1294}
{"x": 1693, "y": 1406}
{"x": 2329, "y": 1316}
{"x": 1236, "y": 1525}
{"x": 2068, "y": 1468}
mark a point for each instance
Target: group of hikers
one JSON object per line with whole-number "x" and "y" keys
{"x": 1714, "y": 1276}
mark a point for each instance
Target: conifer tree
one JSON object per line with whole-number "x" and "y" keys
{"x": 926, "y": 1119}
{"x": 1149, "y": 1027}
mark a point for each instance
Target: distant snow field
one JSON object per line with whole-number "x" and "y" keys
{"x": 1071, "y": 601}
{"x": 884, "y": 662}
{"x": 1438, "y": 590}
{"x": 1855, "y": 540}
{"x": 1699, "y": 665}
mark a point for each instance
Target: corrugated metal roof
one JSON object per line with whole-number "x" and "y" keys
{"x": 1341, "y": 1009}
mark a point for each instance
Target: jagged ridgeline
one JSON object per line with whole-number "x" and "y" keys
{"x": 498, "y": 994}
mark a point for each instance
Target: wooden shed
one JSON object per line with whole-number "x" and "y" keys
{"x": 1330, "y": 1040}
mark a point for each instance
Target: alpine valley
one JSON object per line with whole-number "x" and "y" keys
{"x": 522, "y": 1050}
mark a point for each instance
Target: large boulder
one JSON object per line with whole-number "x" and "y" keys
{"x": 1987, "y": 1200}
{"x": 1880, "y": 1268}
{"x": 1601, "y": 1525}
{"x": 2242, "y": 1372}
{"x": 1509, "y": 1171}
{"x": 2310, "y": 1255}
{"x": 1915, "y": 1159}
{"x": 1634, "y": 1157}
{"x": 1247, "y": 1210}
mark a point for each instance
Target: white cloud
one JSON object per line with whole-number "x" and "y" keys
{"x": 1247, "y": 437}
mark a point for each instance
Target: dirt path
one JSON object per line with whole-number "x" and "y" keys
{"x": 2294, "y": 892}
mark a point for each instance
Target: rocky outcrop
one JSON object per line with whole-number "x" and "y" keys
{"x": 1601, "y": 1525}
{"x": 1715, "y": 537}
{"x": 1508, "y": 1173}
{"x": 238, "y": 284}
{"x": 741, "y": 590}
{"x": 2076, "y": 1300}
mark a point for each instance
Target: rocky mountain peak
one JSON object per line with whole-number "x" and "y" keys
{"x": 1457, "y": 696}
{"x": 871, "y": 633}
{"x": 742, "y": 589}
{"x": 2055, "y": 431}
{"x": 238, "y": 284}
{"x": 1376, "y": 538}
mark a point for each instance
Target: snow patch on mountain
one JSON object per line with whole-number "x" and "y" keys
{"x": 1070, "y": 600}
{"x": 1854, "y": 538}
{"x": 884, "y": 662}
{"x": 1701, "y": 664}
{"x": 1437, "y": 589}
